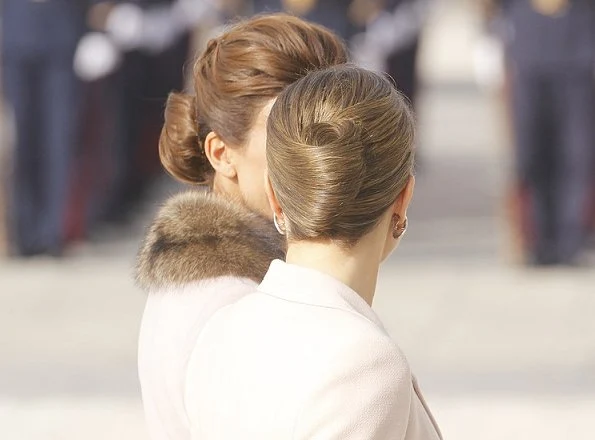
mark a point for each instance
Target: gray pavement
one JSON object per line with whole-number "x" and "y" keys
{"x": 501, "y": 351}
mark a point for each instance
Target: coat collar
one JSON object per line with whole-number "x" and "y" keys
{"x": 309, "y": 286}
{"x": 198, "y": 235}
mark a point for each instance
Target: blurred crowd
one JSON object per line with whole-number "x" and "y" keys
{"x": 85, "y": 82}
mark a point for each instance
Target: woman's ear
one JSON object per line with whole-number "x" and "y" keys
{"x": 219, "y": 155}
{"x": 271, "y": 196}
{"x": 398, "y": 218}
{"x": 404, "y": 199}
{"x": 278, "y": 218}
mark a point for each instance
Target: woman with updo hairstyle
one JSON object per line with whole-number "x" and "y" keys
{"x": 304, "y": 356}
{"x": 209, "y": 247}
{"x": 215, "y": 136}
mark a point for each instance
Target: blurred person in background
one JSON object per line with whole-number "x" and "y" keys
{"x": 389, "y": 41}
{"x": 135, "y": 56}
{"x": 334, "y": 14}
{"x": 383, "y": 34}
{"x": 128, "y": 64}
{"x": 208, "y": 248}
{"x": 390, "y": 38}
{"x": 39, "y": 39}
{"x": 550, "y": 57}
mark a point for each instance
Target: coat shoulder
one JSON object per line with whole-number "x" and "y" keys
{"x": 198, "y": 235}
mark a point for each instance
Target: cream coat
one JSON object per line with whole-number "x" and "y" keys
{"x": 299, "y": 357}
{"x": 170, "y": 327}
{"x": 302, "y": 357}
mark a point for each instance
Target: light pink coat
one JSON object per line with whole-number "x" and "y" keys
{"x": 300, "y": 357}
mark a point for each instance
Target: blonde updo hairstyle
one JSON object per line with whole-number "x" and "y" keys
{"x": 238, "y": 73}
{"x": 340, "y": 149}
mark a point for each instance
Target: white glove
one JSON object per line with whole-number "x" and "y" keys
{"x": 157, "y": 28}
{"x": 162, "y": 26}
{"x": 124, "y": 24}
{"x": 96, "y": 56}
{"x": 190, "y": 13}
{"x": 367, "y": 55}
{"x": 160, "y": 29}
{"x": 388, "y": 33}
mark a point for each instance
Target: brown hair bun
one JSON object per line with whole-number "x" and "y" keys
{"x": 180, "y": 147}
{"x": 233, "y": 79}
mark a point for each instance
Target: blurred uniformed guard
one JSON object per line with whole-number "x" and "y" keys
{"x": 145, "y": 44}
{"x": 551, "y": 55}
{"x": 39, "y": 38}
{"x": 330, "y": 13}
{"x": 383, "y": 34}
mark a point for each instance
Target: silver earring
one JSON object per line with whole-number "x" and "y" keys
{"x": 276, "y": 222}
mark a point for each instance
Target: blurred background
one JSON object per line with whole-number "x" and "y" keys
{"x": 492, "y": 294}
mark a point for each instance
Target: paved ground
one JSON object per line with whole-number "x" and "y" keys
{"x": 502, "y": 352}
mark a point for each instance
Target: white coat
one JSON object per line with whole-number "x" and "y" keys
{"x": 303, "y": 357}
{"x": 300, "y": 356}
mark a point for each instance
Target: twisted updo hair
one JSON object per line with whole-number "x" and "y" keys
{"x": 340, "y": 149}
{"x": 237, "y": 74}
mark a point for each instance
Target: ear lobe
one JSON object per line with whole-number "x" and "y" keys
{"x": 218, "y": 154}
{"x": 403, "y": 201}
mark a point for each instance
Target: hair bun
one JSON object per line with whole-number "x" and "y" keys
{"x": 339, "y": 156}
{"x": 344, "y": 131}
{"x": 180, "y": 148}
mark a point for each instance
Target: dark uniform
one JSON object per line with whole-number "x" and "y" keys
{"x": 401, "y": 64}
{"x": 332, "y": 14}
{"x": 551, "y": 54}
{"x": 38, "y": 43}
{"x": 335, "y": 15}
{"x": 138, "y": 94}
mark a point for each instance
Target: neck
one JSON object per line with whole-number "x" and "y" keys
{"x": 357, "y": 267}
{"x": 225, "y": 187}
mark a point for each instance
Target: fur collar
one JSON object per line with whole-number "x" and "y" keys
{"x": 198, "y": 235}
